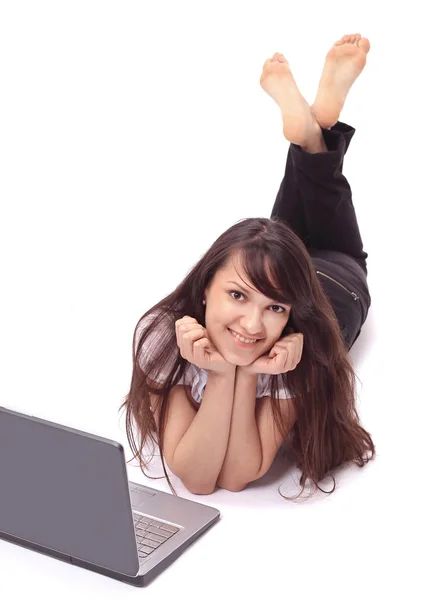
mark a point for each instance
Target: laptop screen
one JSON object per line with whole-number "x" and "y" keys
{"x": 67, "y": 491}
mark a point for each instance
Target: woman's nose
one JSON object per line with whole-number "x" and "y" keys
{"x": 252, "y": 325}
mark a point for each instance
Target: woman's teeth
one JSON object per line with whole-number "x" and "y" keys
{"x": 241, "y": 339}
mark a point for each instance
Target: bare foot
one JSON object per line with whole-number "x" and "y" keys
{"x": 344, "y": 62}
{"x": 299, "y": 124}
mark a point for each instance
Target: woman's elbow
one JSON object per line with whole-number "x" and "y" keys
{"x": 199, "y": 488}
{"x": 233, "y": 487}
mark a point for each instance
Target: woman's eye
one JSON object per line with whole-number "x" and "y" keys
{"x": 239, "y": 294}
{"x": 275, "y": 305}
{"x": 281, "y": 307}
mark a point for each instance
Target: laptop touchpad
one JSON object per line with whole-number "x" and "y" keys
{"x": 139, "y": 498}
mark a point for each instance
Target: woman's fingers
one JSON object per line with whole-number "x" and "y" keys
{"x": 188, "y": 330}
{"x": 183, "y": 325}
{"x": 297, "y": 354}
{"x": 199, "y": 347}
{"x": 188, "y": 339}
{"x": 292, "y": 346}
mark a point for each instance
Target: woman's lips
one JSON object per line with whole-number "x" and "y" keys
{"x": 242, "y": 344}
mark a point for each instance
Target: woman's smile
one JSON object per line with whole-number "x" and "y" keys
{"x": 242, "y": 344}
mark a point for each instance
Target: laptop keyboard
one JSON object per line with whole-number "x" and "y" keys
{"x": 151, "y": 534}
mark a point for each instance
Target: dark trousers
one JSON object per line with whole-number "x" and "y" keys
{"x": 315, "y": 200}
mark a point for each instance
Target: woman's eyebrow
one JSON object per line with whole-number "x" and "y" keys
{"x": 240, "y": 286}
{"x": 249, "y": 291}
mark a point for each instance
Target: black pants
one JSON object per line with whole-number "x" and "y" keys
{"x": 315, "y": 200}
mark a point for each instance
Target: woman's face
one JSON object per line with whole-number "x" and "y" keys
{"x": 232, "y": 305}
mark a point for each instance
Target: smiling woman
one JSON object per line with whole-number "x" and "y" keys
{"x": 253, "y": 336}
{"x": 246, "y": 312}
{"x": 281, "y": 293}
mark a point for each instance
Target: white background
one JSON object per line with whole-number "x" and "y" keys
{"x": 132, "y": 134}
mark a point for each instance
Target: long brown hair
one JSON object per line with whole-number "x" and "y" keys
{"x": 327, "y": 433}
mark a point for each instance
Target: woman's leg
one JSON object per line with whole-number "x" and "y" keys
{"x": 315, "y": 198}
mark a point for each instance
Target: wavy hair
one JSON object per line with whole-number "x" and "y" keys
{"x": 327, "y": 433}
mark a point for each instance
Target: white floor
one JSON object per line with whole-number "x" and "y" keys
{"x": 132, "y": 136}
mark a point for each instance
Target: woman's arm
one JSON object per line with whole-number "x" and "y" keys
{"x": 199, "y": 455}
{"x": 254, "y": 437}
{"x": 244, "y": 453}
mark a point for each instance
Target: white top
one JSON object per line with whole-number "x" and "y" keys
{"x": 195, "y": 377}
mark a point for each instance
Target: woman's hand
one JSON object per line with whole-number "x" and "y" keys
{"x": 283, "y": 357}
{"x": 196, "y": 347}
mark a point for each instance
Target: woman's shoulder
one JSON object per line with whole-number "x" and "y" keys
{"x": 163, "y": 317}
{"x": 163, "y": 323}
{"x": 149, "y": 343}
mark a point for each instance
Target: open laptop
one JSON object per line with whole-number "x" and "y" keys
{"x": 66, "y": 493}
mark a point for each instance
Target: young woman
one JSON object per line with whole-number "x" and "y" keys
{"x": 251, "y": 350}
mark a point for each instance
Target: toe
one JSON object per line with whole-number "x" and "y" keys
{"x": 266, "y": 63}
{"x": 364, "y": 44}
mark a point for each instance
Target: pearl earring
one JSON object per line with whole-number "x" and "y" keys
{"x": 204, "y": 301}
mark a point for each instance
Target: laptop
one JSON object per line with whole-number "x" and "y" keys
{"x": 65, "y": 493}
